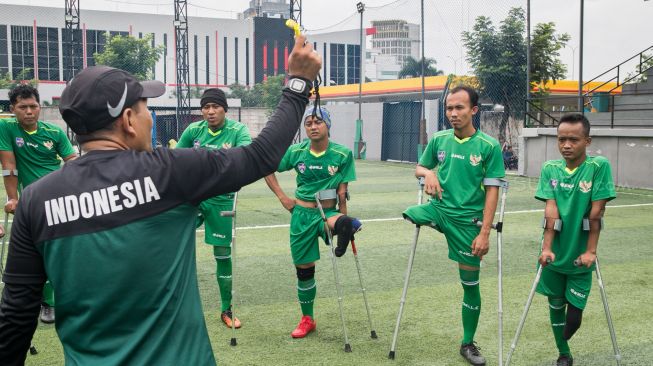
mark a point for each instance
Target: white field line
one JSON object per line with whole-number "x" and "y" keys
{"x": 399, "y": 218}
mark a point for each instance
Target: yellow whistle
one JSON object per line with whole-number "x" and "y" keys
{"x": 294, "y": 26}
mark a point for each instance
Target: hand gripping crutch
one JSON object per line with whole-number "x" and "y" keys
{"x": 606, "y": 308}
{"x": 503, "y": 184}
{"x": 357, "y": 226}
{"x": 411, "y": 258}
{"x": 232, "y": 214}
{"x": 328, "y": 195}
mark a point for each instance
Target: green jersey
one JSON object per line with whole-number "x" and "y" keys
{"x": 462, "y": 165}
{"x": 317, "y": 172}
{"x": 199, "y": 135}
{"x": 37, "y": 153}
{"x": 574, "y": 191}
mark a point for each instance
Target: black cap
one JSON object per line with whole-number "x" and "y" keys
{"x": 99, "y": 94}
{"x": 214, "y": 95}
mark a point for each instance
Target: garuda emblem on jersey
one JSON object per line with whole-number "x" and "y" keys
{"x": 20, "y": 142}
{"x": 585, "y": 186}
{"x": 333, "y": 170}
{"x": 441, "y": 155}
{"x": 196, "y": 143}
{"x": 301, "y": 167}
{"x": 554, "y": 183}
{"x": 48, "y": 144}
{"x": 226, "y": 145}
{"x": 475, "y": 159}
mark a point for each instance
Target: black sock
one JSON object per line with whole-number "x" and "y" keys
{"x": 343, "y": 228}
{"x": 574, "y": 318}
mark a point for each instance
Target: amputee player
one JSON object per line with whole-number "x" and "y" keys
{"x": 464, "y": 156}
{"x": 216, "y": 131}
{"x": 115, "y": 229}
{"x": 30, "y": 149}
{"x": 320, "y": 164}
{"x": 574, "y": 188}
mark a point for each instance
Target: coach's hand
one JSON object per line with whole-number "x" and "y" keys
{"x": 586, "y": 259}
{"x": 10, "y": 206}
{"x": 304, "y": 61}
{"x": 432, "y": 185}
{"x": 288, "y": 203}
{"x": 546, "y": 257}
{"x": 481, "y": 245}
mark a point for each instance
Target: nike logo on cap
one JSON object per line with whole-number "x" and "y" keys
{"x": 115, "y": 111}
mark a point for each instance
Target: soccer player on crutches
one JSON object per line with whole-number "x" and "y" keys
{"x": 576, "y": 190}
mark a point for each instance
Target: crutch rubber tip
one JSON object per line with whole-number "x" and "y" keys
{"x": 391, "y": 355}
{"x": 373, "y": 334}
{"x": 233, "y": 342}
{"x": 347, "y": 347}
{"x": 32, "y": 350}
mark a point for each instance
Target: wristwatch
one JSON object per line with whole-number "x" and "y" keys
{"x": 299, "y": 85}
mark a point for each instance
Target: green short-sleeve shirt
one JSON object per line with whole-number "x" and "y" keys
{"x": 37, "y": 153}
{"x": 317, "y": 172}
{"x": 462, "y": 165}
{"x": 199, "y": 135}
{"x": 574, "y": 191}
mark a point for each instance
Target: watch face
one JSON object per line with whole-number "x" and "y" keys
{"x": 297, "y": 85}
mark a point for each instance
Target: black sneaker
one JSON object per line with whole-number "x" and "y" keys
{"x": 47, "y": 314}
{"x": 472, "y": 354}
{"x": 565, "y": 360}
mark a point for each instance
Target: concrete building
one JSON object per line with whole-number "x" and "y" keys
{"x": 267, "y": 9}
{"x": 396, "y": 38}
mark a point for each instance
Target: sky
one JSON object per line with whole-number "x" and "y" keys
{"x": 615, "y": 30}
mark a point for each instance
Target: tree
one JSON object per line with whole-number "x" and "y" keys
{"x": 6, "y": 82}
{"x": 498, "y": 58}
{"x": 266, "y": 94}
{"x": 413, "y": 68}
{"x": 130, "y": 54}
{"x": 639, "y": 75}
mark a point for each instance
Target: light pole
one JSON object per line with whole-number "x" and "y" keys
{"x": 573, "y": 60}
{"x": 360, "y": 144}
{"x": 580, "y": 59}
{"x": 455, "y": 64}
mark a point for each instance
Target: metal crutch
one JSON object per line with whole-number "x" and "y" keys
{"x": 357, "y": 227}
{"x": 4, "y": 241}
{"x": 606, "y": 308}
{"x": 411, "y": 258}
{"x": 498, "y": 226}
{"x": 325, "y": 195}
{"x": 232, "y": 214}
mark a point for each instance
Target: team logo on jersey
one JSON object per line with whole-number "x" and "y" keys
{"x": 196, "y": 143}
{"x": 301, "y": 167}
{"x": 226, "y": 145}
{"x": 48, "y": 144}
{"x": 333, "y": 170}
{"x": 475, "y": 159}
{"x": 585, "y": 186}
{"x": 554, "y": 183}
{"x": 441, "y": 155}
{"x": 20, "y": 142}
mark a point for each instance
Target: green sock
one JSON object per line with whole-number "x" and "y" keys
{"x": 471, "y": 307}
{"x": 223, "y": 273}
{"x": 48, "y": 294}
{"x": 557, "y": 315}
{"x": 306, "y": 291}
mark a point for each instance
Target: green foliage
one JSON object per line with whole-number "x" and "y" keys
{"x": 545, "y": 53}
{"x": 131, "y": 54}
{"x": 266, "y": 94}
{"x": 639, "y": 75}
{"x": 6, "y": 82}
{"x": 413, "y": 68}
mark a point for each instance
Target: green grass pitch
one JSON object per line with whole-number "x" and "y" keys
{"x": 431, "y": 329}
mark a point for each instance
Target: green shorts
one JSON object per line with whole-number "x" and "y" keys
{"x": 306, "y": 226}
{"x": 217, "y": 229}
{"x": 459, "y": 232}
{"x": 573, "y": 287}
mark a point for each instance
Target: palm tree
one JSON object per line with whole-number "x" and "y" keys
{"x": 413, "y": 68}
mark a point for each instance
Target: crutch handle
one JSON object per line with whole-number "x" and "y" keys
{"x": 227, "y": 213}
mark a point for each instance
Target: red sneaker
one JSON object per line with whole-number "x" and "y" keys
{"x": 305, "y": 326}
{"x": 227, "y": 317}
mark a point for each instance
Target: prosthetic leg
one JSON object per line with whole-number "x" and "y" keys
{"x": 411, "y": 258}
{"x": 503, "y": 184}
{"x": 326, "y": 195}
{"x": 232, "y": 214}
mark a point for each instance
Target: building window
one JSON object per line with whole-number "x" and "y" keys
{"x": 72, "y": 50}
{"x": 236, "y": 57}
{"x": 207, "y": 60}
{"x": 47, "y": 41}
{"x": 225, "y": 61}
{"x": 246, "y": 61}
{"x": 353, "y": 63}
{"x": 195, "y": 60}
{"x": 165, "y": 57}
{"x": 338, "y": 67}
{"x": 22, "y": 51}
{"x": 4, "y": 55}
